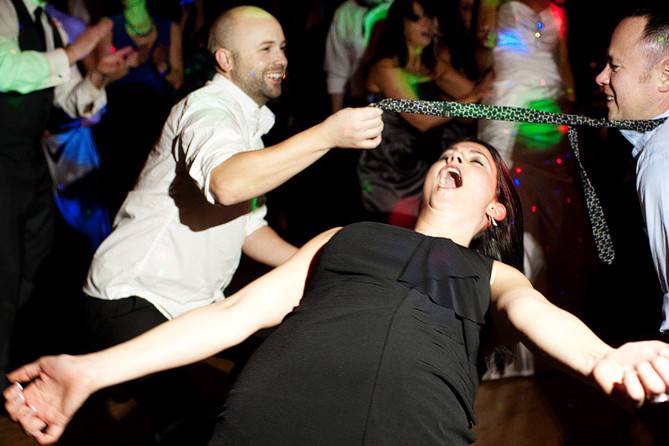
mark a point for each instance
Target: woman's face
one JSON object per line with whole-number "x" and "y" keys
{"x": 463, "y": 180}
{"x": 419, "y": 28}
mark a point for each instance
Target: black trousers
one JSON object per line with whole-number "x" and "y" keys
{"x": 180, "y": 413}
{"x": 26, "y": 237}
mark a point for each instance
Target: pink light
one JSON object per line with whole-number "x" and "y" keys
{"x": 533, "y": 209}
{"x": 560, "y": 18}
{"x": 558, "y": 160}
{"x": 518, "y": 170}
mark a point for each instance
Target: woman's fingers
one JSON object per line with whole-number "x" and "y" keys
{"x": 634, "y": 388}
{"x": 25, "y": 373}
{"x": 14, "y": 400}
{"x": 661, "y": 364}
{"x": 650, "y": 379}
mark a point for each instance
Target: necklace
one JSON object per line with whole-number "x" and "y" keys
{"x": 539, "y": 26}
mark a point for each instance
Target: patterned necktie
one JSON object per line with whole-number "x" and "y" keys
{"x": 600, "y": 230}
{"x": 38, "y": 26}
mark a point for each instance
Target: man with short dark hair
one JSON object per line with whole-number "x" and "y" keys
{"x": 635, "y": 81}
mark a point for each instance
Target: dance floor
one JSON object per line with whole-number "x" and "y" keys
{"x": 547, "y": 410}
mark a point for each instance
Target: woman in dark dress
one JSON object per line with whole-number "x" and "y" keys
{"x": 381, "y": 328}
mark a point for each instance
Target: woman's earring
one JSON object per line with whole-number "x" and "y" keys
{"x": 493, "y": 222}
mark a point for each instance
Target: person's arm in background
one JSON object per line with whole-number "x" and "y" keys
{"x": 392, "y": 83}
{"x": 563, "y": 61}
{"x": 83, "y": 97}
{"x": 633, "y": 372}
{"x": 176, "y": 75}
{"x": 28, "y": 71}
{"x": 337, "y": 63}
{"x": 60, "y": 384}
{"x": 458, "y": 86}
{"x": 486, "y": 33}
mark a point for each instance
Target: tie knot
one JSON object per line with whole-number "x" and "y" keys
{"x": 38, "y": 14}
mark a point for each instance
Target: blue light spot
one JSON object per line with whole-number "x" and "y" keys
{"x": 516, "y": 181}
{"x": 510, "y": 40}
{"x": 540, "y": 25}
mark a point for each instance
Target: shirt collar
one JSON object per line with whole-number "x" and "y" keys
{"x": 263, "y": 115}
{"x": 31, "y": 5}
{"x": 639, "y": 139}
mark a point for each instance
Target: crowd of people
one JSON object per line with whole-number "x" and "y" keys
{"x": 384, "y": 328}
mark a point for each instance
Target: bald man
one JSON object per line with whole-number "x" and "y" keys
{"x": 179, "y": 235}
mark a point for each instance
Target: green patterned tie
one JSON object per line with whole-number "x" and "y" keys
{"x": 600, "y": 230}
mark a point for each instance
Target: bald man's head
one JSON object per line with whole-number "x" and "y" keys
{"x": 227, "y": 29}
{"x": 249, "y": 48}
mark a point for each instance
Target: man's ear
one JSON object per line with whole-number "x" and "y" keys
{"x": 664, "y": 76}
{"x": 497, "y": 211}
{"x": 224, "y": 59}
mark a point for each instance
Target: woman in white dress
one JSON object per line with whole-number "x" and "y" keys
{"x": 531, "y": 67}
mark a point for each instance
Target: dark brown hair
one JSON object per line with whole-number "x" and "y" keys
{"x": 503, "y": 242}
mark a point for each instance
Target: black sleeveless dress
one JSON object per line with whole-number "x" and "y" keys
{"x": 383, "y": 349}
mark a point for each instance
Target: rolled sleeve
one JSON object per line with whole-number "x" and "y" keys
{"x": 79, "y": 97}
{"x": 209, "y": 138}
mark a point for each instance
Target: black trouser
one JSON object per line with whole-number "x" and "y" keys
{"x": 179, "y": 412}
{"x": 26, "y": 237}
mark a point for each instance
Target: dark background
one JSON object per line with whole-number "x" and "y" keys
{"x": 622, "y": 302}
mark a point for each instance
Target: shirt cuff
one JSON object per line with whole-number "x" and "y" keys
{"x": 208, "y": 167}
{"x": 665, "y": 310}
{"x": 98, "y": 98}
{"x": 59, "y": 66}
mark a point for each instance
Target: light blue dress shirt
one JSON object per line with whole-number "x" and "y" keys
{"x": 651, "y": 150}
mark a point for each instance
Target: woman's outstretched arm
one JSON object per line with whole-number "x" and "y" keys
{"x": 58, "y": 385}
{"x": 632, "y": 372}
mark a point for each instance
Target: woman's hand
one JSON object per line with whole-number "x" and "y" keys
{"x": 58, "y": 386}
{"x": 634, "y": 372}
{"x": 481, "y": 90}
{"x": 113, "y": 66}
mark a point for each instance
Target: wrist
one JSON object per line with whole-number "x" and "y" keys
{"x": 601, "y": 352}
{"x": 98, "y": 79}
{"x": 89, "y": 376}
{"x": 323, "y": 138}
{"x": 72, "y": 54}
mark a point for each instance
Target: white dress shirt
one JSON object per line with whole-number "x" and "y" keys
{"x": 171, "y": 244}
{"x": 651, "y": 150}
{"x": 28, "y": 71}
